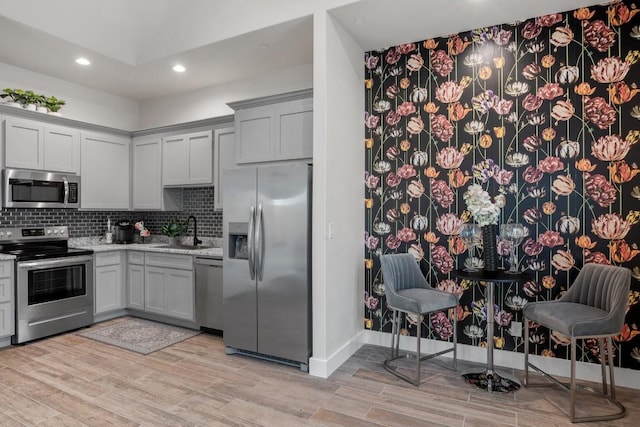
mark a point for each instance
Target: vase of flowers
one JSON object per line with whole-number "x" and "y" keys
{"x": 486, "y": 214}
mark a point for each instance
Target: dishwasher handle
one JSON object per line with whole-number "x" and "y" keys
{"x": 215, "y": 262}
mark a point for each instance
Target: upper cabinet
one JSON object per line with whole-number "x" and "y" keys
{"x": 105, "y": 171}
{"x": 30, "y": 144}
{"x": 275, "y": 128}
{"x": 225, "y": 158}
{"x": 187, "y": 159}
{"x": 147, "y": 173}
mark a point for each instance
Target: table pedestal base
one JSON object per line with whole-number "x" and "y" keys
{"x": 491, "y": 380}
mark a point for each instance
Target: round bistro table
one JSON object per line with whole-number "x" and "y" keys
{"x": 488, "y": 378}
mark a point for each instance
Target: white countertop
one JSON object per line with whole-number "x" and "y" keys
{"x": 147, "y": 247}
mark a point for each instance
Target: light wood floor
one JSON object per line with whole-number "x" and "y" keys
{"x": 69, "y": 380}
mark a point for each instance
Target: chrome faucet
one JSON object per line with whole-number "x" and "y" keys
{"x": 195, "y": 230}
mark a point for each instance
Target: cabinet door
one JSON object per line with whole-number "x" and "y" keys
{"x": 7, "y": 327}
{"x": 105, "y": 172}
{"x": 179, "y": 291}
{"x": 254, "y": 133}
{"x": 108, "y": 289}
{"x": 294, "y": 130}
{"x": 135, "y": 287}
{"x": 24, "y": 144}
{"x": 147, "y": 173}
{"x": 154, "y": 290}
{"x": 61, "y": 149}
{"x": 225, "y": 158}
{"x": 200, "y": 158}
{"x": 175, "y": 160}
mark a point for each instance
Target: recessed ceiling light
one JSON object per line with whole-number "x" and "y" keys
{"x": 179, "y": 68}
{"x": 83, "y": 61}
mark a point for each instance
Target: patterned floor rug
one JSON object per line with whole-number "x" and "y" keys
{"x": 141, "y": 336}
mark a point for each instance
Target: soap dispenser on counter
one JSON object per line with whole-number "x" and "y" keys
{"x": 108, "y": 236}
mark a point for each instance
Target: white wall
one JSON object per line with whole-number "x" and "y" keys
{"x": 83, "y": 104}
{"x": 212, "y": 101}
{"x": 338, "y": 260}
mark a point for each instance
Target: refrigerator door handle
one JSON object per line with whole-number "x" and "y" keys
{"x": 250, "y": 244}
{"x": 259, "y": 243}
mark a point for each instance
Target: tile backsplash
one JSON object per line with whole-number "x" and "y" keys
{"x": 196, "y": 201}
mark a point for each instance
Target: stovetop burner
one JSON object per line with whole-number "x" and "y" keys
{"x": 38, "y": 243}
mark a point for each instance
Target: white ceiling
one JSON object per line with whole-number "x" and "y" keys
{"x": 133, "y": 44}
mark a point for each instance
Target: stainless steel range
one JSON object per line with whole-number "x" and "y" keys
{"x": 53, "y": 283}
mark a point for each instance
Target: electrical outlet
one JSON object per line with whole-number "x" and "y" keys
{"x": 516, "y": 329}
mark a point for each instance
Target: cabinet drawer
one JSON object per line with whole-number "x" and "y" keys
{"x": 183, "y": 262}
{"x": 107, "y": 258}
{"x": 135, "y": 257}
{"x": 6, "y": 268}
{"x": 6, "y": 285}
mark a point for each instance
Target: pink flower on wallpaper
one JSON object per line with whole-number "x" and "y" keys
{"x": 406, "y": 48}
{"x": 441, "y": 193}
{"x": 392, "y": 152}
{"x": 449, "y": 158}
{"x": 610, "y": 70}
{"x": 531, "y": 247}
{"x": 415, "y": 125}
{"x": 550, "y": 239}
{"x": 449, "y": 92}
{"x": 415, "y": 189}
{"x": 503, "y": 107}
{"x": 392, "y": 56}
{"x": 392, "y": 91}
{"x": 392, "y": 242}
{"x": 503, "y": 176}
{"x": 441, "y": 63}
{"x": 563, "y": 185}
{"x": 441, "y": 127}
{"x": 448, "y": 224}
{"x": 502, "y": 37}
{"x": 392, "y": 118}
{"x": 563, "y": 110}
{"x": 371, "y": 61}
{"x": 599, "y": 189}
{"x": 406, "y": 234}
{"x": 562, "y": 37}
{"x": 371, "y": 181}
{"x": 531, "y": 143}
{"x": 531, "y": 30}
{"x": 503, "y": 318}
{"x": 531, "y": 174}
{"x": 550, "y": 164}
{"x": 441, "y": 259}
{"x": 610, "y": 226}
{"x": 531, "y": 215}
{"x": 415, "y": 62}
{"x": 531, "y": 102}
{"x": 563, "y": 260}
{"x": 393, "y": 215}
{"x": 549, "y": 20}
{"x": 406, "y": 171}
{"x": 406, "y": 108}
{"x": 599, "y": 112}
{"x": 610, "y": 148}
{"x": 595, "y": 257}
{"x": 371, "y": 241}
{"x": 550, "y": 91}
{"x": 393, "y": 180}
{"x": 370, "y": 302}
{"x": 599, "y": 35}
{"x": 531, "y": 71}
{"x": 451, "y": 287}
{"x": 371, "y": 121}
{"x": 531, "y": 288}
{"x": 441, "y": 325}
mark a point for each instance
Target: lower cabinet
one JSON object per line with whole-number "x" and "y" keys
{"x": 109, "y": 282}
{"x": 169, "y": 292}
{"x": 7, "y": 325}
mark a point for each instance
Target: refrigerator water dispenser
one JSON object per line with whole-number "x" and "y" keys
{"x": 238, "y": 243}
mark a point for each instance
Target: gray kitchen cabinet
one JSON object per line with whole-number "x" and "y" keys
{"x": 187, "y": 159}
{"x": 105, "y": 171}
{"x": 135, "y": 280}
{"x": 30, "y": 144}
{"x": 225, "y": 158}
{"x": 147, "y": 173}
{"x": 169, "y": 286}
{"x": 275, "y": 128}
{"x": 109, "y": 282}
{"x": 7, "y": 318}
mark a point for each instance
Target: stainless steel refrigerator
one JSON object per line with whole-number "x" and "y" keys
{"x": 267, "y": 262}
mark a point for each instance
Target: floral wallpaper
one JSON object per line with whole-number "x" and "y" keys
{"x": 542, "y": 114}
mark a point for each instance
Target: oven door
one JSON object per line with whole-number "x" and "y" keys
{"x": 53, "y": 296}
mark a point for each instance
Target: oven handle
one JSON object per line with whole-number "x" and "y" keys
{"x": 55, "y": 262}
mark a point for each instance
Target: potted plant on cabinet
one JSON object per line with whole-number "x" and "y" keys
{"x": 16, "y": 97}
{"x": 172, "y": 230}
{"x": 54, "y": 104}
{"x": 31, "y": 100}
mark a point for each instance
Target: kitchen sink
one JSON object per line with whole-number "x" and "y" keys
{"x": 184, "y": 247}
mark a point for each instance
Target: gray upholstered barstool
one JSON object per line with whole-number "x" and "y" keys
{"x": 594, "y": 306}
{"x": 407, "y": 291}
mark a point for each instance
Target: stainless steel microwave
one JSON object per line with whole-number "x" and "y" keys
{"x": 36, "y": 189}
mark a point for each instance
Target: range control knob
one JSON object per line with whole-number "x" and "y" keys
{"x": 48, "y": 231}
{"x": 62, "y": 231}
{"x": 55, "y": 231}
{"x": 1, "y": 233}
{"x": 9, "y": 233}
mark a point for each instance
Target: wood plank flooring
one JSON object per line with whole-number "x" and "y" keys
{"x": 69, "y": 380}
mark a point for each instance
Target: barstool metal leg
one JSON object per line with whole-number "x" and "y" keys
{"x": 526, "y": 352}
{"x": 455, "y": 338}
{"x": 603, "y": 364}
{"x": 418, "y": 333}
{"x": 572, "y": 399}
{"x": 611, "y": 380}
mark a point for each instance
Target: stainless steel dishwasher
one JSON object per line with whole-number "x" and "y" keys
{"x": 209, "y": 292}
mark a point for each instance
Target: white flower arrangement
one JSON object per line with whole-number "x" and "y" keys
{"x": 484, "y": 211}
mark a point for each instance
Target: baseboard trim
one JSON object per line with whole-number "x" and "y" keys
{"x": 323, "y": 368}
{"x": 624, "y": 377}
